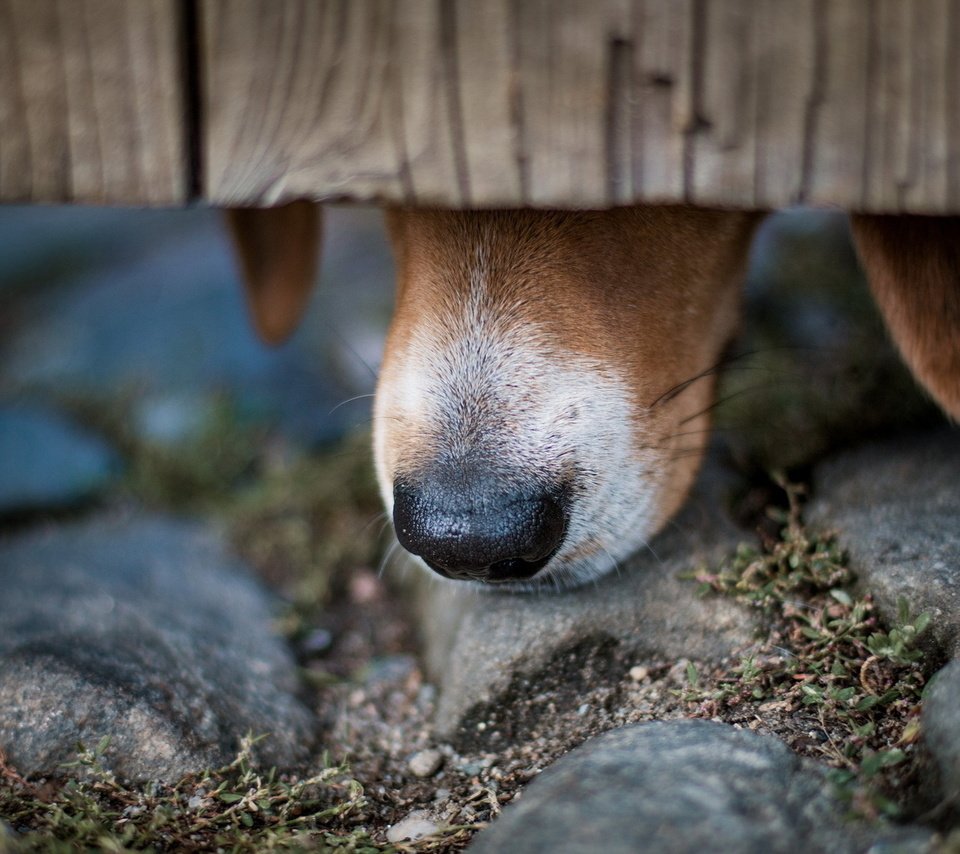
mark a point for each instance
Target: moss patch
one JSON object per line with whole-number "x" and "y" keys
{"x": 234, "y": 808}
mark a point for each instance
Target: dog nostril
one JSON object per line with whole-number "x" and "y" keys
{"x": 479, "y": 532}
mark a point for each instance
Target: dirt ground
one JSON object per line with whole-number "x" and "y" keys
{"x": 376, "y": 705}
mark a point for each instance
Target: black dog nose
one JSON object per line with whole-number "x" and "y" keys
{"x": 477, "y": 530}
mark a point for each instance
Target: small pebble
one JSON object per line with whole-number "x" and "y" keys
{"x": 425, "y": 763}
{"x": 319, "y": 640}
{"x": 583, "y": 709}
{"x": 365, "y": 587}
{"x": 415, "y": 826}
{"x": 388, "y": 668}
{"x": 639, "y": 673}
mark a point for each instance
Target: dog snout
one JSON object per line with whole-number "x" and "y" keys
{"x": 475, "y": 528}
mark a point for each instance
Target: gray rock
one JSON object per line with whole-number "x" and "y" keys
{"x": 941, "y": 728}
{"x": 48, "y": 462}
{"x": 818, "y": 365}
{"x": 685, "y": 786}
{"x": 425, "y": 763}
{"x": 144, "y": 630}
{"x": 895, "y": 506}
{"x": 486, "y": 650}
{"x": 45, "y": 245}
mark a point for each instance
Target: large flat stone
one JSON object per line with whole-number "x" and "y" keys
{"x": 686, "y": 787}
{"x": 147, "y": 631}
{"x": 485, "y": 649}
{"x": 895, "y": 506}
{"x": 49, "y": 462}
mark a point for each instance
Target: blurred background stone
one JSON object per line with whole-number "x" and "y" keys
{"x": 147, "y": 307}
{"x": 814, "y": 369}
{"x": 50, "y": 462}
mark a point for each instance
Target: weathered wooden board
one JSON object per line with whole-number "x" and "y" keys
{"x": 92, "y": 102}
{"x": 755, "y": 103}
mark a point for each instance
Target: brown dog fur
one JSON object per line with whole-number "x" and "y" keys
{"x": 913, "y": 265}
{"x": 279, "y": 251}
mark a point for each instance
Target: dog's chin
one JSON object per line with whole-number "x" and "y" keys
{"x": 562, "y": 572}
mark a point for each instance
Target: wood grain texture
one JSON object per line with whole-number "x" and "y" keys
{"x": 664, "y": 79}
{"x": 302, "y": 98}
{"x": 483, "y": 103}
{"x": 91, "y": 102}
{"x": 749, "y": 103}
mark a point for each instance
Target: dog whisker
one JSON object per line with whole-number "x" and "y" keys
{"x": 385, "y": 526}
{"x": 646, "y": 544}
{"x": 614, "y": 563}
{"x": 728, "y": 365}
{"x": 352, "y": 350}
{"x": 350, "y": 400}
{"x": 719, "y": 402}
{"x": 682, "y": 453}
{"x": 387, "y": 557}
{"x": 722, "y": 365}
{"x": 377, "y": 517}
{"x": 683, "y": 433}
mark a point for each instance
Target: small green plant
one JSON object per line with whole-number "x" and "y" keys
{"x": 797, "y": 563}
{"x": 827, "y": 655}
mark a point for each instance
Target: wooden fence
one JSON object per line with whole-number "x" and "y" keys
{"x": 751, "y": 103}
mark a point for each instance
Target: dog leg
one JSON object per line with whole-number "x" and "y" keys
{"x": 913, "y": 264}
{"x": 279, "y": 250}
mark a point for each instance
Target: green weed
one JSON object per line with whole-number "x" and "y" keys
{"x": 828, "y": 656}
